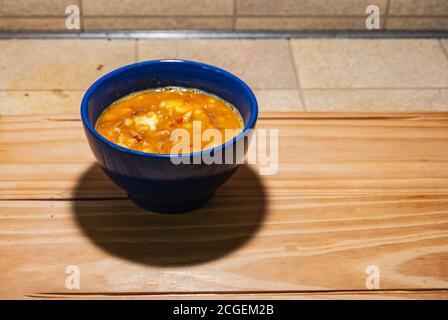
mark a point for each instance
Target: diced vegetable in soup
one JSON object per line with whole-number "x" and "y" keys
{"x": 145, "y": 120}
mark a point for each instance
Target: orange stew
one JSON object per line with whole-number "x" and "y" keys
{"x": 145, "y": 120}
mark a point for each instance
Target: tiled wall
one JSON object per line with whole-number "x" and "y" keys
{"x": 48, "y": 15}
{"x": 42, "y": 76}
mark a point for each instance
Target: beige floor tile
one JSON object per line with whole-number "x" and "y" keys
{"x": 406, "y": 23}
{"x": 370, "y": 63}
{"x": 444, "y": 43}
{"x": 40, "y": 102}
{"x": 418, "y": 7}
{"x": 279, "y": 100}
{"x": 392, "y": 100}
{"x": 157, "y": 7}
{"x": 157, "y": 23}
{"x": 290, "y": 23}
{"x": 60, "y": 64}
{"x": 32, "y": 24}
{"x": 263, "y": 64}
{"x": 307, "y": 7}
{"x": 35, "y": 7}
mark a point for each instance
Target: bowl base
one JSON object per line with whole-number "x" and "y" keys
{"x": 171, "y": 207}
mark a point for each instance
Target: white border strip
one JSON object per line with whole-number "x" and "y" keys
{"x": 213, "y": 34}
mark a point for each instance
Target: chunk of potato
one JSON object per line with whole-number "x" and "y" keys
{"x": 175, "y": 102}
{"x": 148, "y": 120}
{"x": 187, "y": 116}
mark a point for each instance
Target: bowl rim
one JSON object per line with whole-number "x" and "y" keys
{"x": 253, "y": 105}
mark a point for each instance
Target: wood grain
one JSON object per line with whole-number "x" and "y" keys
{"x": 334, "y": 295}
{"x": 45, "y": 157}
{"x": 351, "y": 191}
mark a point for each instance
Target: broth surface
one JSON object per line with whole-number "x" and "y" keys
{"x": 145, "y": 120}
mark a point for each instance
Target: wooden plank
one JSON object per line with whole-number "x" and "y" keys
{"x": 248, "y": 243}
{"x": 351, "y": 191}
{"x": 46, "y": 157}
{"x": 358, "y": 295}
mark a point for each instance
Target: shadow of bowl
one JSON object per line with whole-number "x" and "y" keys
{"x": 124, "y": 230}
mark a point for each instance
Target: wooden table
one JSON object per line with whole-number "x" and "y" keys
{"x": 352, "y": 191}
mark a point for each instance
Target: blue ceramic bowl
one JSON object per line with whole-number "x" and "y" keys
{"x": 153, "y": 181}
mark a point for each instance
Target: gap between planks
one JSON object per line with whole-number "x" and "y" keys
{"x": 329, "y": 293}
{"x": 283, "y": 115}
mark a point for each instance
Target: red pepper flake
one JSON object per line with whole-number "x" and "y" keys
{"x": 136, "y": 135}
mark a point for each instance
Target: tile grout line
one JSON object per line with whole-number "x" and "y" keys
{"x": 136, "y": 48}
{"x": 443, "y": 49}
{"x": 374, "y": 88}
{"x": 386, "y": 14}
{"x": 81, "y": 15}
{"x": 234, "y": 15}
{"x": 279, "y": 16}
{"x": 296, "y": 74}
{"x": 256, "y": 88}
{"x": 42, "y": 90}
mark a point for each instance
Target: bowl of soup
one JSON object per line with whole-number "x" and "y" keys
{"x": 169, "y": 132}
